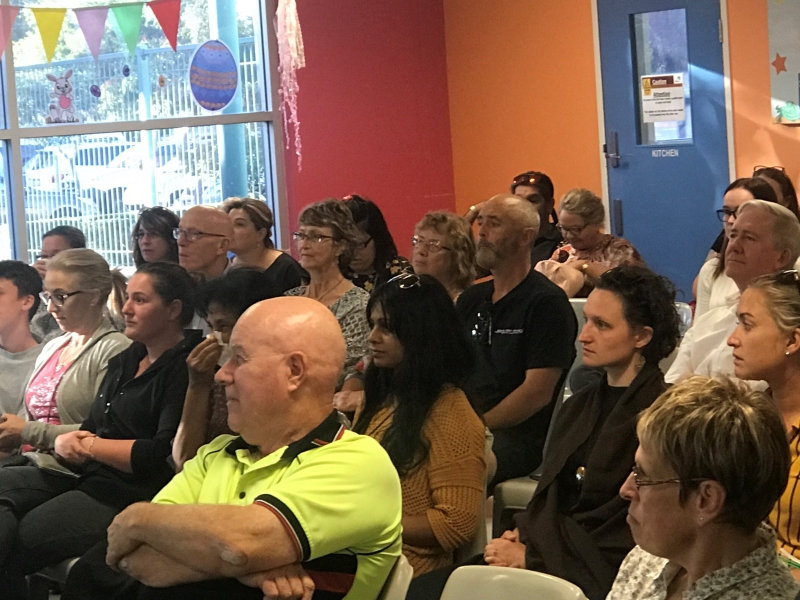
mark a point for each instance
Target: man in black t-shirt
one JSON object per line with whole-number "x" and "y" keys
{"x": 525, "y": 331}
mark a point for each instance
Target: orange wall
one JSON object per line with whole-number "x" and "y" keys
{"x": 522, "y": 94}
{"x": 758, "y": 141}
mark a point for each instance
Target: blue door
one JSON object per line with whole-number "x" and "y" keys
{"x": 666, "y": 140}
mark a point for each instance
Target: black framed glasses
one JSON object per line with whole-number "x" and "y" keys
{"x": 316, "y": 238}
{"x": 724, "y": 213}
{"x": 641, "y": 481}
{"x": 577, "y": 230}
{"x": 58, "y": 298}
{"x": 406, "y": 281}
{"x": 432, "y": 246}
{"x": 191, "y": 235}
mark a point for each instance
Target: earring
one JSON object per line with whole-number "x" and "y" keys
{"x": 788, "y": 353}
{"x": 700, "y": 519}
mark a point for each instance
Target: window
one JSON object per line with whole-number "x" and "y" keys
{"x": 136, "y": 137}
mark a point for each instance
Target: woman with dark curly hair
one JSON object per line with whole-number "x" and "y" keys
{"x": 574, "y": 527}
{"x": 375, "y": 258}
{"x": 326, "y": 240}
{"x": 152, "y": 239}
{"x": 414, "y": 406}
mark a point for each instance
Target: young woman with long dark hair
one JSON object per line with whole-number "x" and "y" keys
{"x": 414, "y": 406}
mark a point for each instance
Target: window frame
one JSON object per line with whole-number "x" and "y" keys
{"x": 272, "y": 119}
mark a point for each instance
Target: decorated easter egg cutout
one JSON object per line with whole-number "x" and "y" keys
{"x": 95, "y": 91}
{"x": 213, "y": 75}
{"x": 126, "y": 70}
{"x": 161, "y": 81}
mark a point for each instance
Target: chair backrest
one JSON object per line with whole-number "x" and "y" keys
{"x": 399, "y": 579}
{"x": 686, "y": 316}
{"x": 479, "y": 582}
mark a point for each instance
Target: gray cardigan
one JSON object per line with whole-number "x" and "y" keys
{"x": 79, "y": 384}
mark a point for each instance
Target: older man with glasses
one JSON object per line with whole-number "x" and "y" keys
{"x": 525, "y": 331}
{"x": 204, "y": 236}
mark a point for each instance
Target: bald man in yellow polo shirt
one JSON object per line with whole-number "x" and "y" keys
{"x": 295, "y": 502}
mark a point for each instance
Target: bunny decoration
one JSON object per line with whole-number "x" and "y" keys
{"x": 62, "y": 109}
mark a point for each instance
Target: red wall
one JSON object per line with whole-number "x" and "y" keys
{"x": 373, "y": 109}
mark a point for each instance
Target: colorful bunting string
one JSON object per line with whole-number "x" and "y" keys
{"x": 8, "y": 14}
{"x": 49, "y": 22}
{"x": 129, "y": 21}
{"x": 168, "y": 15}
{"x": 92, "y": 22}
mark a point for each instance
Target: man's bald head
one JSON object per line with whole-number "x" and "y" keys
{"x": 292, "y": 324}
{"x": 286, "y": 356}
{"x": 208, "y": 253}
{"x": 522, "y": 212}
{"x": 213, "y": 220}
{"x": 507, "y": 228}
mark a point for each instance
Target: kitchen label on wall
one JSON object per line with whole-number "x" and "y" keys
{"x": 663, "y": 98}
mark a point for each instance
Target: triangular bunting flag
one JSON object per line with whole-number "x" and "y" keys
{"x": 168, "y": 14}
{"x": 49, "y": 21}
{"x": 129, "y": 20}
{"x": 92, "y": 22}
{"x": 8, "y": 14}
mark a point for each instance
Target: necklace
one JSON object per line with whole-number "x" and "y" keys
{"x": 321, "y": 296}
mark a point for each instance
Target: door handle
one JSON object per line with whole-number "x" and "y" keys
{"x": 611, "y": 149}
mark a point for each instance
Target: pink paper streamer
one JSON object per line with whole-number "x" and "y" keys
{"x": 291, "y": 57}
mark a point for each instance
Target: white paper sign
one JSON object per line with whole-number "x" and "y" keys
{"x": 663, "y": 98}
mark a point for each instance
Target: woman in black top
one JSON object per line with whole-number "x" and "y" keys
{"x": 119, "y": 455}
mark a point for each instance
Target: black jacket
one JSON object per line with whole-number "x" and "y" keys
{"x": 147, "y": 409}
{"x": 587, "y": 543}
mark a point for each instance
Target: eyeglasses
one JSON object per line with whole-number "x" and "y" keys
{"x": 577, "y": 230}
{"x": 482, "y": 330}
{"x": 776, "y": 167}
{"x": 791, "y": 277}
{"x": 640, "y": 481}
{"x": 406, "y": 281}
{"x": 191, "y": 235}
{"x": 316, "y": 238}
{"x": 140, "y": 235}
{"x": 528, "y": 178}
{"x": 432, "y": 246}
{"x": 724, "y": 213}
{"x": 58, "y": 298}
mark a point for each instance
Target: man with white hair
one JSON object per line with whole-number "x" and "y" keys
{"x": 524, "y": 328}
{"x": 204, "y": 236}
{"x": 296, "y": 502}
{"x": 765, "y": 238}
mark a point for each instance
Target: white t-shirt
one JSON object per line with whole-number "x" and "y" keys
{"x": 15, "y": 371}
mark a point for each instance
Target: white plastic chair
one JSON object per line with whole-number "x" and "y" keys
{"x": 398, "y": 581}
{"x": 481, "y": 583}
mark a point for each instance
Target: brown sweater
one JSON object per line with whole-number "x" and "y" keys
{"x": 450, "y": 486}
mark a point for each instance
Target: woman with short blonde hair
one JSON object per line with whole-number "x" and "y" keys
{"x": 712, "y": 461}
{"x": 445, "y": 249}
